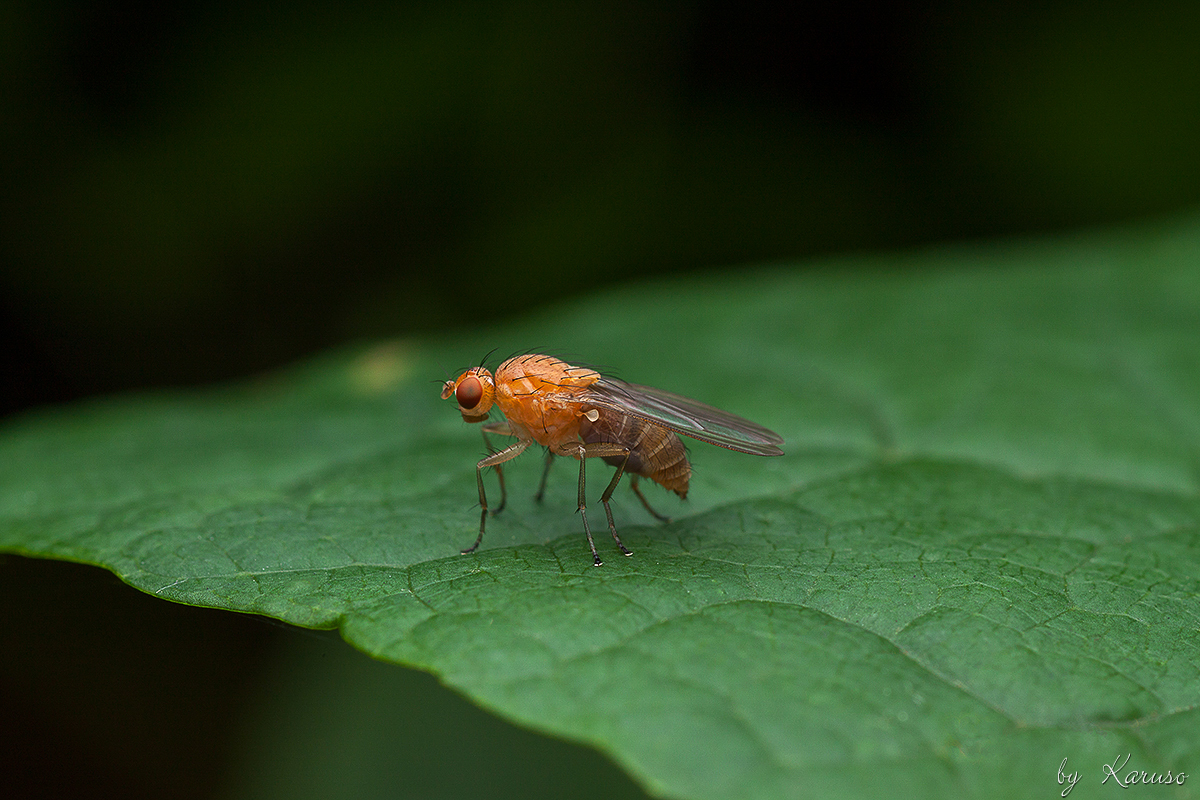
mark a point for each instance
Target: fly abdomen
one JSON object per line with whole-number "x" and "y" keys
{"x": 655, "y": 453}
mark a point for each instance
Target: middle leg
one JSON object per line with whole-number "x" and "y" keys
{"x": 545, "y": 474}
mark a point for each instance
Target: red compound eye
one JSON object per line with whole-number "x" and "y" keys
{"x": 469, "y": 392}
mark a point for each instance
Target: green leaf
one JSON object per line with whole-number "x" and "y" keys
{"x": 978, "y": 557}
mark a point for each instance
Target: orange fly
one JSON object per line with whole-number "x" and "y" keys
{"x": 579, "y": 413}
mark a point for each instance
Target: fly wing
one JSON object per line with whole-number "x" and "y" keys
{"x": 686, "y": 416}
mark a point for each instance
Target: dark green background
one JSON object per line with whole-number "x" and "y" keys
{"x": 197, "y": 191}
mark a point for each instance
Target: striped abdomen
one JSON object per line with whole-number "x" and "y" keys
{"x": 655, "y": 451}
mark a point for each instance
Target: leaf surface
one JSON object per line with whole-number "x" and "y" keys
{"x": 978, "y": 556}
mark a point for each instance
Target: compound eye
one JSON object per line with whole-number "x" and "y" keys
{"x": 469, "y": 392}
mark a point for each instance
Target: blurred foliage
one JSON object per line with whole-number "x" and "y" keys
{"x": 207, "y": 189}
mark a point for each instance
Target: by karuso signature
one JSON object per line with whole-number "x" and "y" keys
{"x": 1116, "y": 772}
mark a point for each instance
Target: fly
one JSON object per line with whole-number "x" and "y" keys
{"x": 578, "y": 413}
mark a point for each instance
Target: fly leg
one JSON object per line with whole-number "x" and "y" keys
{"x": 502, "y": 429}
{"x": 633, "y": 484}
{"x": 494, "y": 460}
{"x": 600, "y": 450}
{"x": 499, "y": 476}
{"x": 545, "y": 474}
{"x": 604, "y": 498}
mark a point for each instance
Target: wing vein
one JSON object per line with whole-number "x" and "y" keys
{"x": 686, "y": 416}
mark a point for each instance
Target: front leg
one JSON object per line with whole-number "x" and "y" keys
{"x": 500, "y": 429}
{"x": 494, "y": 460}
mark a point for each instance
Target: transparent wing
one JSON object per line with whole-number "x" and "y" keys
{"x": 686, "y": 416}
